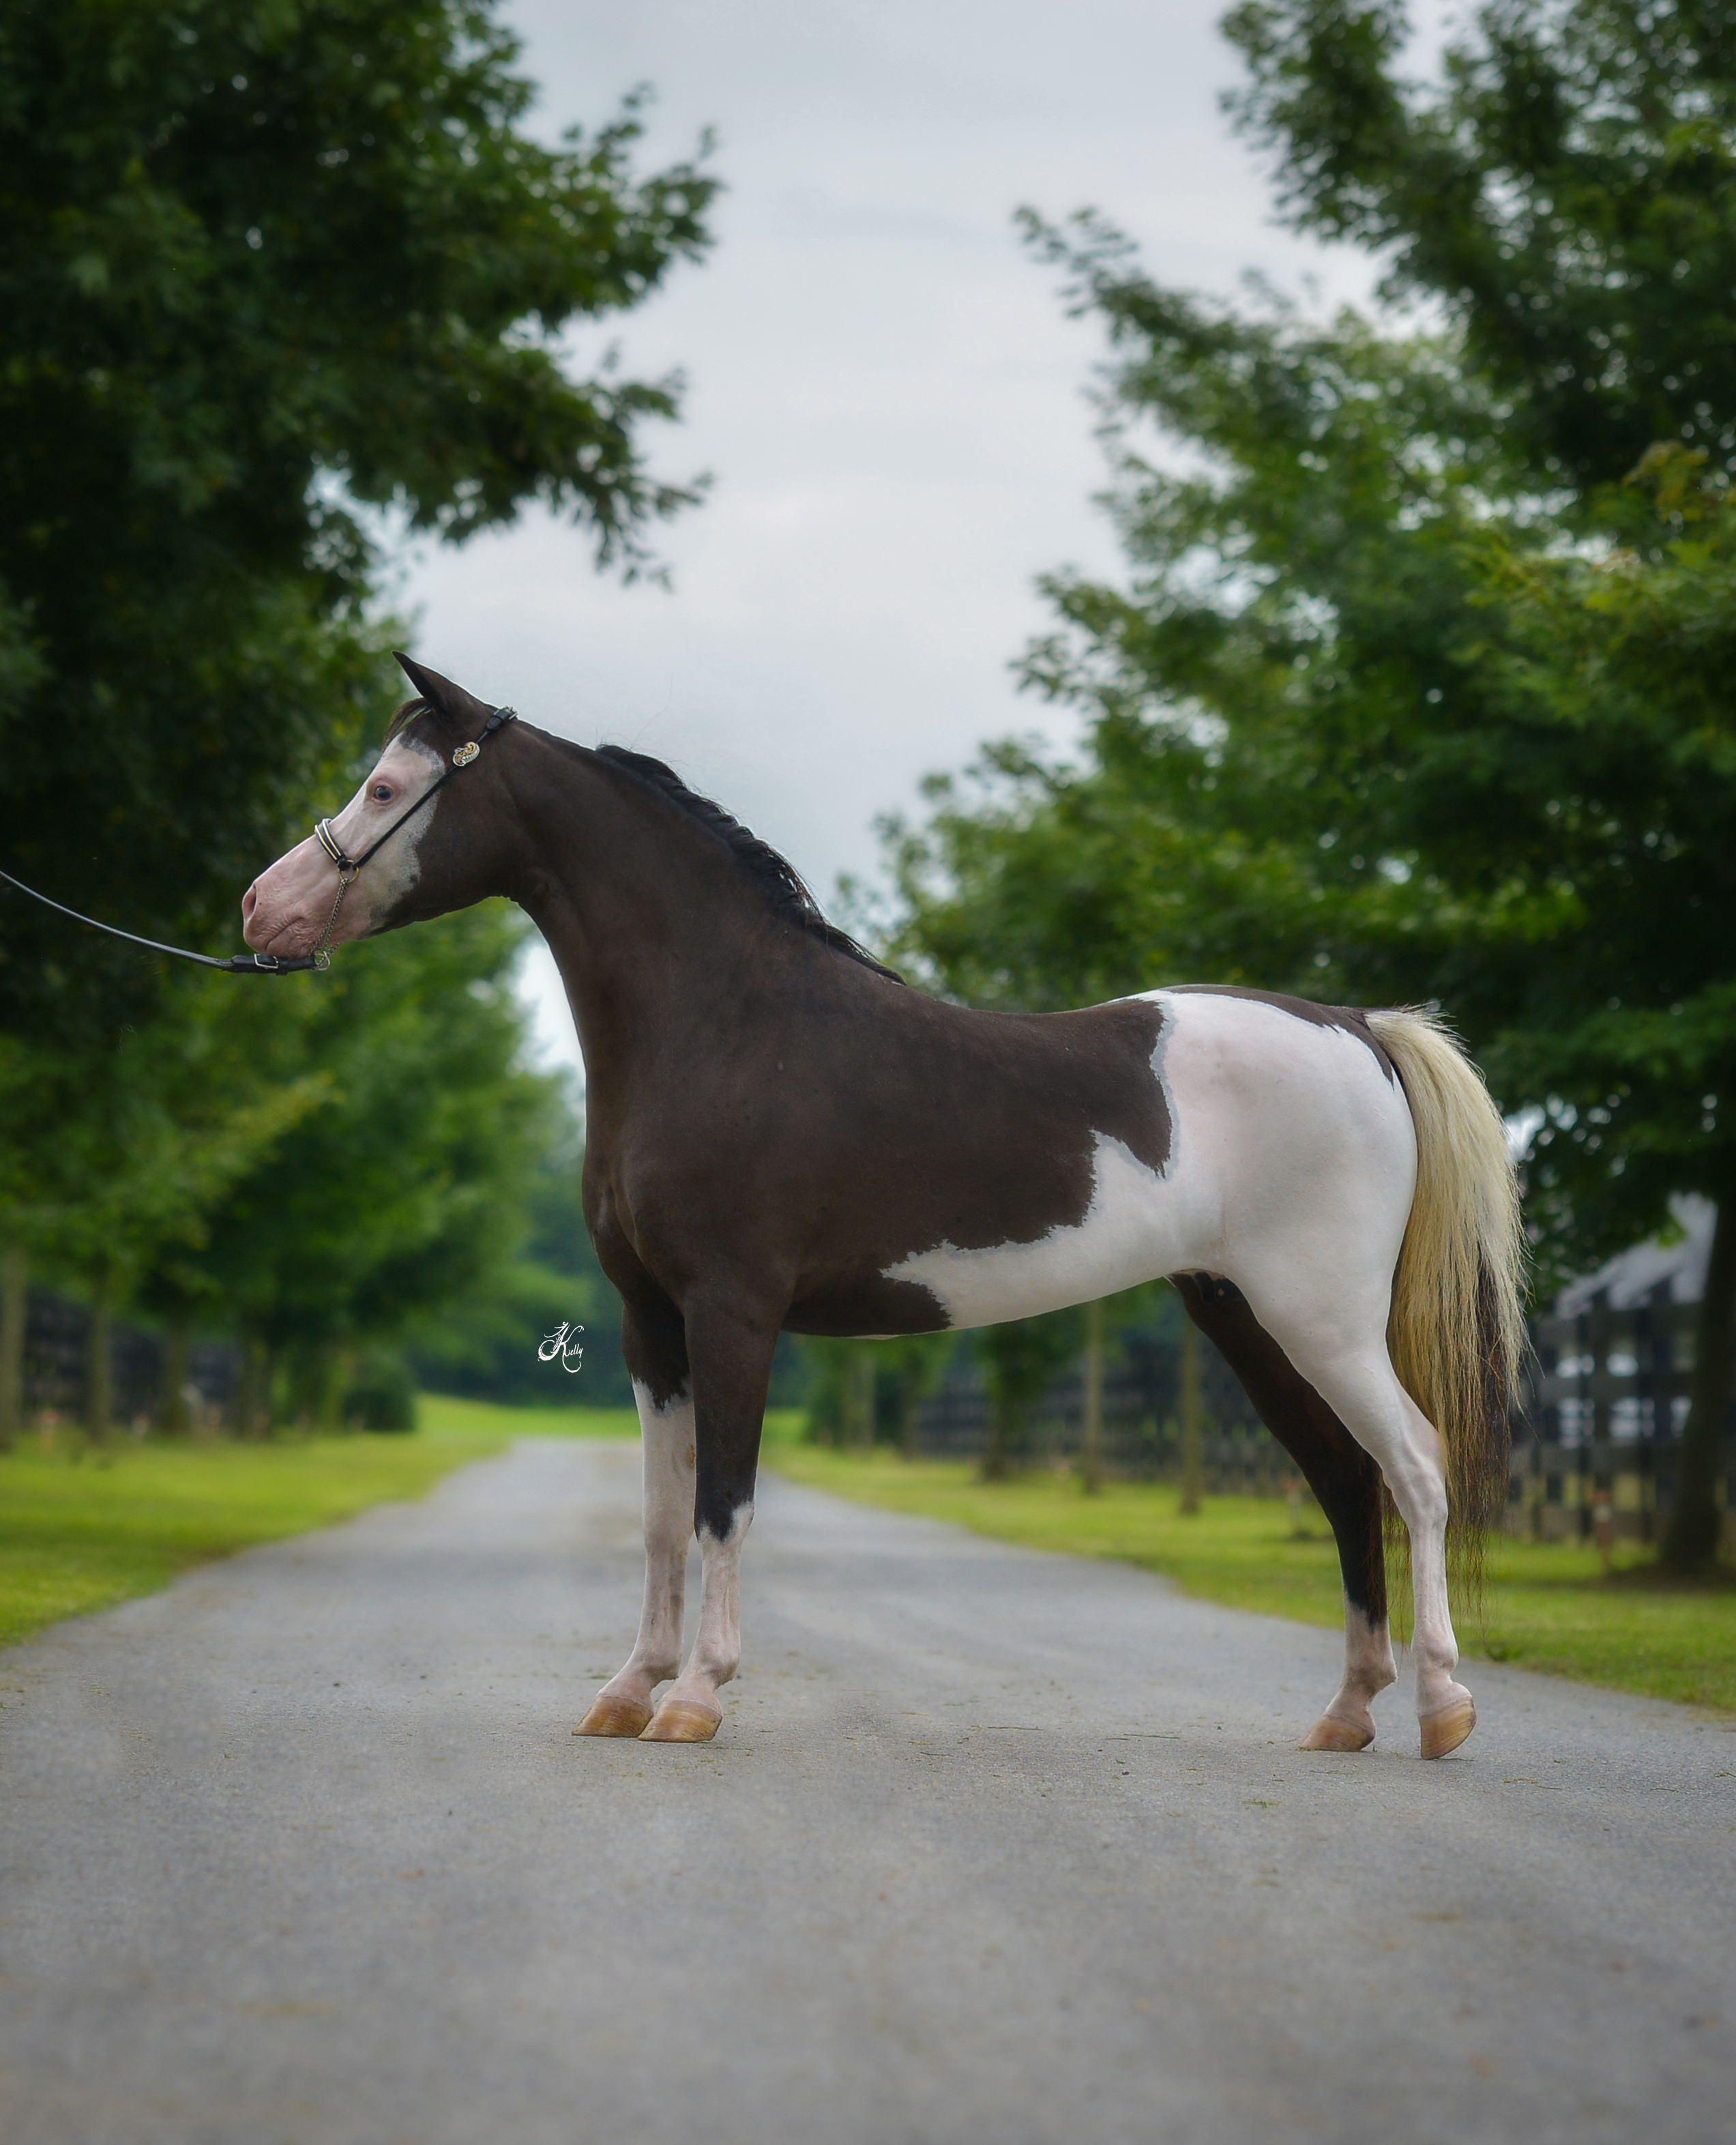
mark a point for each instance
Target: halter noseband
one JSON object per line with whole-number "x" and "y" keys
{"x": 348, "y": 866}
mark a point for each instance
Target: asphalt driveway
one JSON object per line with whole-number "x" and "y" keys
{"x": 994, "y": 1849}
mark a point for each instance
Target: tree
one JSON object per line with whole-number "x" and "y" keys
{"x": 1020, "y": 1362}
{"x": 265, "y": 275}
{"x": 1416, "y": 689}
{"x": 918, "y": 1363}
{"x": 404, "y": 1191}
{"x": 1564, "y": 194}
{"x": 1626, "y": 655}
{"x": 486, "y": 1345}
{"x": 1567, "y": 195}
{"x": 111, "y": 1166}
{"x": 261, "y": 269}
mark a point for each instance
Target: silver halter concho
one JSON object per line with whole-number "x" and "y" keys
{"x": 348, "y": 866}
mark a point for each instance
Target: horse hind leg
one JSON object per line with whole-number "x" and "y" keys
{"x": 1405, "y": 1443}
{"x": 1354, "y": 1375}
{"x": 1346, "y": 1481}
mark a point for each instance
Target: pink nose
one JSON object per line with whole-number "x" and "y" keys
{"x": 249, "y": 902}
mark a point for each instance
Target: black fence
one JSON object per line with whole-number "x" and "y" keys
{"x": 1598, "y": 1438}
{"x": 1141, "y": 1406}
{"x": 56, "y": 1360}
{"x": 1603, "y": 1426}
{"x": 1599, "y": 1435}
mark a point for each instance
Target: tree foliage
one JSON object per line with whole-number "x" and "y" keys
{"x": 405, "y": 1182}
{"x": 1415, "y": 687}
{"x": 274, "y": 275}
{"x": 261, "y": 265}
{"x": 1564, "y": 193}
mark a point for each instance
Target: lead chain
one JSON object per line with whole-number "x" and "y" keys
{"x": 346, "y": 878}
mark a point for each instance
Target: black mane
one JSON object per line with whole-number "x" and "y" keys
{"x": 776, "y": 877}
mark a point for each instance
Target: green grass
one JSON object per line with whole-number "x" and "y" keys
{"x": 80, "y": 1532}
{"x": 77, "y": 1535}
{"x": 441, "y": 1417}
{"x": 1546, "y": 1607}
{"x": 438, "y": 1416}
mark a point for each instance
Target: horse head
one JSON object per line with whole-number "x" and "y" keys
{"x": 396, "y": 854}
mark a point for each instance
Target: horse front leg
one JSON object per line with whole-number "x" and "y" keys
{"x": 656, "y": 1352}
{"x": 623, "y": 1707}
{"x": 732, "y": 1368}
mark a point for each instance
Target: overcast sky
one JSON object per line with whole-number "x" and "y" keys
{"x": 882, "y": 385}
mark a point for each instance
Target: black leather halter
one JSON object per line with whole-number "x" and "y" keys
{"x": 348, "y": 866}
{"x": 269, "y": 964}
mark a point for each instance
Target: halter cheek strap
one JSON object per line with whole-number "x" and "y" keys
{"x": 349, "y": 867}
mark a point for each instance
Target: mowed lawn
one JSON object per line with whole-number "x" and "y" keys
{"x": 1546, "y": 1606}
{"x": 80, "y": 1531}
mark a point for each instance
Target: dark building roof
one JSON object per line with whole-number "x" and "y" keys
{"x": 1631, "y": 1275}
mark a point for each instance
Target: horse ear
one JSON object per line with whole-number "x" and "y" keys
{"x": 443, "y": 696}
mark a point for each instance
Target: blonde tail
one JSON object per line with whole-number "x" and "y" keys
{"x": 1457, "y": 1329}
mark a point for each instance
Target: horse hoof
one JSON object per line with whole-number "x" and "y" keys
{"x": 614, "y": 1716}
{"x": 1330, "y": 1734}
{"x": 1447, "y": 1729}
{"x": 680, "y": 1720}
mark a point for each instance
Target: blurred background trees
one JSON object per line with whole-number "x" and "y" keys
{"x": 1416, "y": 689}
{"x": 1413, "y": 687}
{"x": 267, "y": 276}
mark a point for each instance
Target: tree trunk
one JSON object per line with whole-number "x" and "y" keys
{"x": 242, "y": 1402}
{"x": 861, "y": 1398}
{"x": 270, "y": 1362}
{"x": 997, "y": 1453}
{"x": 910, "y": 1394}
{"x": 14, "y": 1309}
{"x": 174, "y": 1417}
{"x": 1193, "y": 1466}
{"x": 1690, "y": 1543}
{"x": 253, "y": 1389}
{"x": 332, "y": 1376}
{"x": 98, "y": 1366}
{"x": 1090, "y": 1442}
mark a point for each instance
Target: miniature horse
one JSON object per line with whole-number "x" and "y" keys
{"x": 783, "y": 1136}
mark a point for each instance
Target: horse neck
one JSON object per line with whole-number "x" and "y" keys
{"x": 655, "y": 928}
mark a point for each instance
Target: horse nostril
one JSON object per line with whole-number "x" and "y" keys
{"x": 249, "y": 902}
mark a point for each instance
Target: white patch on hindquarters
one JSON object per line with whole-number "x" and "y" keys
{"x": 1159, "y": 1054}
{"x": 1123, "y": 1237}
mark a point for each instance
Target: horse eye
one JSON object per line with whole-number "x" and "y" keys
{"x": 383, "y": 792}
